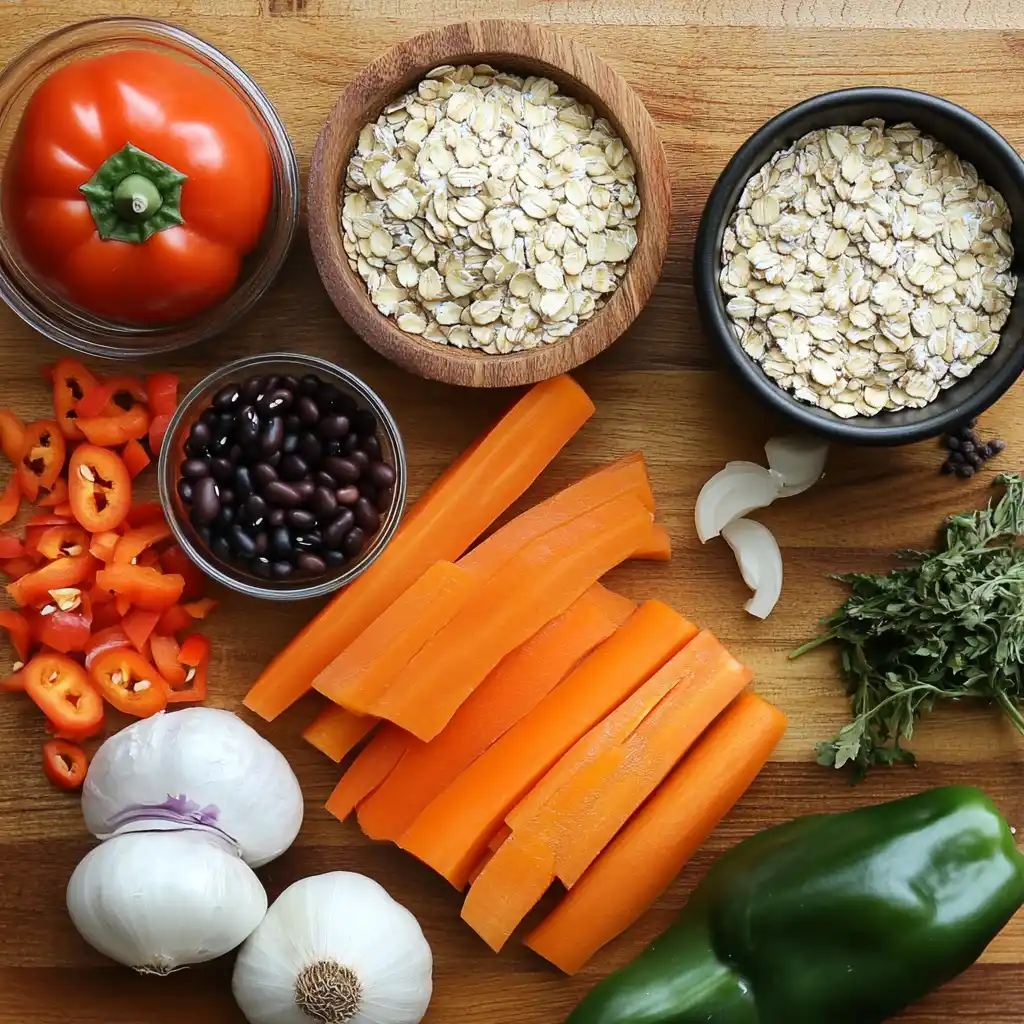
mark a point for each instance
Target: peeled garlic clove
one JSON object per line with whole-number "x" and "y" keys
{"x": 334, "y": 948}
{"x": 158, "y": 901}
{"x": 196, "y": 767}
{"x": 800, "y": 461}
{"x": 760, "y": 562}
{"x": 732, "y": 492}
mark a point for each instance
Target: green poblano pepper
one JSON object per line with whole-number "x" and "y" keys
{"x": 829, "y": 919}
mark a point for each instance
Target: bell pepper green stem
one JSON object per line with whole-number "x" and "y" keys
{"x": 137, "y": 198}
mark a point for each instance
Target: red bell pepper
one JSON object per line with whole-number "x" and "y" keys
{"x": 165, "y": 653}
{"x": 135, "y": 457}
{"x": 34, "y": 587}
{"x": 162, "y": 389}
{"x": 157, "y": 433}
{"x": 118, "y": 429}
{"x": 19, "y": 631}
{"x": 195, "y": 654}
{"x": 10, "y": 500}
{"x": 144, "y": 513}
{"x": 138, "y": 626}
{"x": 174, "y": 559}
{"x": 10, "y": 546}
{"x": 61, "y": 541}
{"x": 15, "y": 568}
{"x": 64, "y": 631}
{"x": 12, "y": 436}
{"x": 175, "y": 620}
{"x": 134, "y": 542}
{"x": 142, "y": 586}
{"x": 103, "y": 640}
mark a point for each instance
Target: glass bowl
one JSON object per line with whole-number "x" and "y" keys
{"x": 172, "y": 455}
{"x": 77, "y": 328}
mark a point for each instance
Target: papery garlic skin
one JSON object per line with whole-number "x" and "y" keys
{"x": 158, "y": 901}
{"x": 341, "y": 924}
{"x": 198, "y": 766}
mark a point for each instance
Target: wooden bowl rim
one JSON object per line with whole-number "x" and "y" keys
{"x": 476, "y": 42}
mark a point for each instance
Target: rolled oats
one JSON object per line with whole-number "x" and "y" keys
{"x": 488, "y": 211}
{"x": 866, "y": 268}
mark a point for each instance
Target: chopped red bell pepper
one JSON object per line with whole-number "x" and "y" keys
{"x": 19, "y": 630}
{"x": 51, "y": 518}
{"x": 102, "y": 640}
{"x": 14, "y": 683}
{"x": 12, "y": 436}
{"x": 175, "y": 620}
{"x": 142, "y": 586}
{"x": 104, "y": 544}
{"x": 56, "y": 495}
{"x": 64, "y": 510}
{"x": 71, "y": 383}
{"x": 34, "y": 587}
{"x": 42, "y": 457}
{"x": 195, "y": 654}
{"x": 59, "y": 541}
{"x": 15, "y": 568}
{"x": 157, "y": 433}
{"x": 150, "y": 559}
{"x": 162, "y": 389}
{"x": 104, "y": 610}
{"x": 174, "y": 559}
{"x": 138, "y": 626}
{"x": 10, "y": 546}
{"x": 201, "y": 608}
{"x": 65, "y": 764}
{"x": 135, "y": 457}
{"x": 144, "y": 513}
{"x": 64, "y": 631}
{"x": 118, "y": 429}
{"x": 112, "y": 397}
{"x": 134, "y": 542}
{"x": 165, "y": 653}
{"x": 10, "y": 500}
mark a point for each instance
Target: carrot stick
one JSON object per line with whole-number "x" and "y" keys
{"x": 446, "y": 521}
{"x": 511, "y": 691}
{"x": 336, "y": 731}
{"x": 536, "y": 585}
{"x": 367, "y": 771}
{"x": 641, "y": 861}
{"x": 658, "y": 547}
{"x": 362, "y": 672}
{"x": 452, "y": 832}
{"x": 621, "y": 762}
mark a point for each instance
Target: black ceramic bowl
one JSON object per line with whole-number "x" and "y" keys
{"x": 969, "y": 137}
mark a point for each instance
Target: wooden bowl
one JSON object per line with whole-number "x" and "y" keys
{"x": 524, "y": 49}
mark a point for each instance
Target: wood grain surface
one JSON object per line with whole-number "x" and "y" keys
{"x": 710, "y": 73}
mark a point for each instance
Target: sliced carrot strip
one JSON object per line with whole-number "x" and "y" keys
{"x": 586, "y": 800}
{"x": 536, "y": 585}
{"x": 442, "y": 526}
{"x": 658, "y": 547}
{"x": 336, "y": 731}
{"x": 363, "y": 671}
{"x": 653, "y": 848}
{"x": 452, "y": 832}
{"x": 511, "y": 691}
{"x": 367, "y": 771}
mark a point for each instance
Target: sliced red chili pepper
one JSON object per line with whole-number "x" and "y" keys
{"x": 15, "y": 568}
{"x": 175, "y": 620}
{"x": 71, "y": 383}
{"x": 14, "y": 683}
{"x": 165, "y": 652}
{"x": 63, "y": 630}
{"x": 112, "y": 397}
{"x": 174, "y": 559}
{"x": 42, "y": 457}
{"x": 104, "y": 610}
{"x": 144, "y": 513}
{"x": 64, "y": 510}
{"x": 114, "y": 431}
{"x": 142, "y": 586}
{"x": 157, "y": 433}
{"x": 136, "y": 458}
{"x": 62, "y": 690}
{"x": 10, "y": 500}
{"x": 19, "y": 631}
{"x": 12, "y": 436}
{"x": 138, "y": 625}
{"x": 195, "y": 654}
{"x": 104, "y": 544}
{"x": 101, "y": 489}
{"x": 10, "y": 546}
{"x": 123, "y": 604}
{"x": 50, "y": 519}
{"x": 150, "y": 559}
{"x": 104, "y": 640}
{"x": 56, "y": 495}
{"x": 129, "y": 682}
{"x": 134, "y": 542}
{"x": 61, "y": 541}
{"x": 64, "y": 764}
{"x": 162, "y": 389}
{"x": 34, "y": 587}
{"x": 200, "y": 609}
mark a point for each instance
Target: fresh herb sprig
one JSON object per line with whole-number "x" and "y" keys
{"x": 949, "y": 625}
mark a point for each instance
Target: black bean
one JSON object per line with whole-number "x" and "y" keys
{"x": 225, "y": 518}
{"x": 225, "y": 422}
{"x": 221, "y": 469}
{"x": 227, "y": 496}
{"x": 361, "y": 459}
{"x": 322, "y": 479}
{"x": 267, "y": 385}
{"x": 364, "y": 423}
{"x": 279, "y": 493}
{"x": 965, "y": 471}
{"x": 261, "y": 567}
{"x": 220, "y": 547}
{"x": 382, "y": 475}
{"x": 281, "y": 570}
{"x": 263, "y": 473}
{"x": 946, "y": 468}
{"x": 293, "y": 467}
{"x": 247, "y": 426}
{"x": 324, "y": 502}
{"x": 998, "y": 446}
{"x": 312, "y": 565}
{"x": 242, "y": 482}
{"x": 369, "y": 491}
{"x": 334, "y": 427}
{"x": 251, "y": 389}
{"x": 260, "y": 542}
{"x": 974, "y": 459}
{"x": 185, "y": 491}
{"x": 334, "y": 559}
{"x": 205, "y": 501}
{"x": 304, "y": 489}
{"x": 220, "y": 444}
{"x": 194, "y": 469}
{"x": 328, "y": 397}
{"x": 343, "y": 471}
{"x": 254, "y": 509}
{"x": 289, "y": 382}
{"x": 354, "y": 542}
{"x": 347, "y": 495}
{"x": 385, "y": 498}
{"x": 209, "y": 419}
{"x": 272, "y": 435}
{"x": 281, "y": 542}
{"x": 241, "y": 542}
{"x": 337, "y": 530}
{"x": 290, "y": 444}
{"x": 333, "y": 448}
{"x": 292, "y": 423}
{"x": 351, "y": 443}
{"x": 300, "y": 519}
{"x": 275, "y": 403}
{"x": 367, "y": 516}
{"x": 957, "y": 458}
{"x": 310, "y": 448}
{"x": 274, "y": 460}
{"x": 371, "y": 446}
{"x": 198, "y": 451}
{"x": 199, "y": 435}
{"x": 205, "y": 534}
{"x": 309, "y": 385}
{"x": 275, "y": 517}
{"x": 307, "y": 411}
{"x": 226, "y": 398}
{"x": 252, "y": 452}
{"x": 311, "y": 541}
{"x": 967, "y": 448}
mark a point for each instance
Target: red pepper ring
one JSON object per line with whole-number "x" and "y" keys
{"x": 64, "y": 764}
{"x": 162, "y": 389}
{"x": 61, "y": 689}
{"x": 100, "y": 488}
{"x": 195, "y": 655}
{"x": 71, "y": 383}
{"x": 129, "y": 682}
{"x": 34, "y": 588}
{"x": 118, "y": 429}
{"x": 42, "y": 457}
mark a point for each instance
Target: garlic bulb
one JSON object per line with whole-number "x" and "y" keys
{"x": 157, "y": 901}
{"x": 195, "y": 768}
{"x": 334, "y": 949}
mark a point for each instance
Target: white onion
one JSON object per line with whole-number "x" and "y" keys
{"x": 732, "y": 492}
{"x": 800, "y": 462}
{"x": 760, "y": 562}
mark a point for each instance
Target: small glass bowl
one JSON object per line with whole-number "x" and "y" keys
{"x": 77, "y": 328}
{"x": 172, "y": 454}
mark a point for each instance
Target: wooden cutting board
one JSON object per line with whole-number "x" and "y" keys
{"x": 708, "y": 86}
